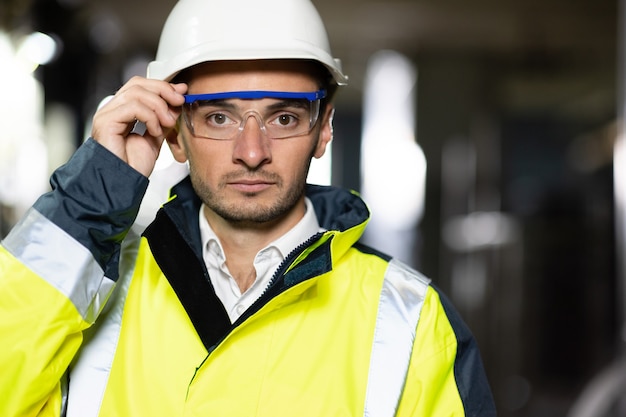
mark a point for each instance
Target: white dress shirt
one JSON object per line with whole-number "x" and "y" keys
{"x": 266, "y": 261}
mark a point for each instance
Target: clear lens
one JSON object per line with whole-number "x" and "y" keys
{"x": 225, "y": 119}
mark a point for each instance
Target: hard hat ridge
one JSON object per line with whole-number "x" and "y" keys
{"x": 198, "y": 31}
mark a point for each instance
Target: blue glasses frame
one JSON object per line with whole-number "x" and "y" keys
{"x": 256, "y": 94}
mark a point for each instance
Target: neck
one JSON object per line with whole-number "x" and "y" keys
{"x": 243, "y": 240}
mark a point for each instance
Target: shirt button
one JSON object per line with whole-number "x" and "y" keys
{"x": 240, "y": 309}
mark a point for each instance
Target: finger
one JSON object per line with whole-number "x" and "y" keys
{"x": 142, "y": 152}
{"x": 171, "y": 93}
{"x": 151, "y": 110}
{"x": 174, "y": 94}
{"x": 159, "y": 96}
{"x": 125, "y": 119}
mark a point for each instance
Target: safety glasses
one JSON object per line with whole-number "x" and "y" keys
{"x": 279, "y": 114}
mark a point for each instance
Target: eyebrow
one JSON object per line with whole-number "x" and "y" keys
{"x": 216, "y": 102}
{"x": 299, "y": 103}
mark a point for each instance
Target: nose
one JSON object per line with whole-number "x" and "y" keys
{"x": 252, "y": 147}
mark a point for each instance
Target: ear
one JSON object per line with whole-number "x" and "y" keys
{"x": 176, "y": 143}
{"x": 326, "y": 131}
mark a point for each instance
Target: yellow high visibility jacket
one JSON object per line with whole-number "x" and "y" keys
{"x": 96, "y": 322}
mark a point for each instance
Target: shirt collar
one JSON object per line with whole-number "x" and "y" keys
{"x": 303, "y": 230}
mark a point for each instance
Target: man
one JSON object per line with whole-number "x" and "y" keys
{"x": 249, "y": 294}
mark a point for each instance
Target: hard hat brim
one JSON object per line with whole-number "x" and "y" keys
{"x": 168, "y": 69}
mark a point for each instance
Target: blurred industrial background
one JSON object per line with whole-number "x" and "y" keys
{"x": 495, "y": 131}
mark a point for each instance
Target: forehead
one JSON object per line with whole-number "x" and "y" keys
{"x": 271, "y": 75}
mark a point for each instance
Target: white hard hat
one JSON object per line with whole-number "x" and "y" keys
{"x": 198, "y": 31}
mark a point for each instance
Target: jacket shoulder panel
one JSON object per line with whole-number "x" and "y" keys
{"x": 95, "y": 198}
{"x": 61, "y": 261}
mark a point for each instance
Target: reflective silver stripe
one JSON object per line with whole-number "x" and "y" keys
{"x": 400, "y": 304}
{"x": 62, "y": 261}
{"x": 90, "y": 372}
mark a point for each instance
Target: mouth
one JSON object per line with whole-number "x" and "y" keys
{"x": 250, "y": 186}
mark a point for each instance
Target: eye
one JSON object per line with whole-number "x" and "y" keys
{"x": 217, "y": 119}
{"x": 286, "y": 120}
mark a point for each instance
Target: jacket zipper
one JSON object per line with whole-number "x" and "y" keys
{"x": 285, "y": 263}
{"x": 278, "y": 274}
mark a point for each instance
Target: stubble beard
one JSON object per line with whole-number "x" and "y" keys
{"x": 249, "y": 212}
